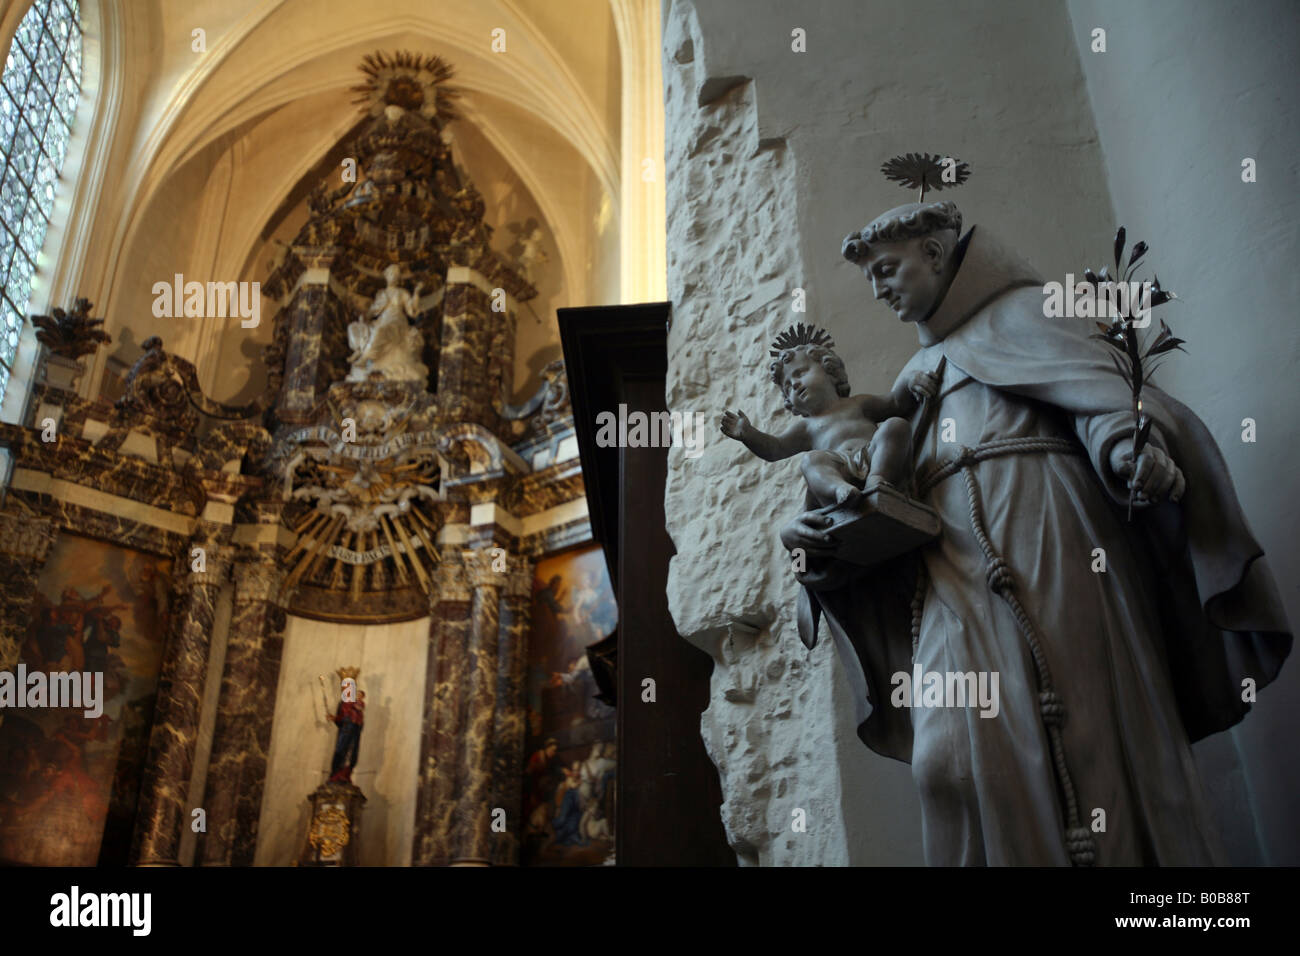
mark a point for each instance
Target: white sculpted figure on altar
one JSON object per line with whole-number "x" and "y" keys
{"x": 389, "y": 347}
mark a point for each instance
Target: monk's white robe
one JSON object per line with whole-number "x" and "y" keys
{"x": 986, "y": 784}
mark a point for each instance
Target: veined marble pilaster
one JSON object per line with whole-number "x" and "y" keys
{"x": 471, "y": 840}
{"x": 449, "y": 637}
{"x": 242, "y": 736}
{"x": 161, "y": 809}
{"x": 465, "y": 358}
{"x": 473, "y": 749}
{"x": 509, "y": 718}
{"x": 316, "y": 331}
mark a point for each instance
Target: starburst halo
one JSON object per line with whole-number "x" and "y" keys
{"x": 410, "y": 80}
{"x": 924, "y": 171}
{"x": 801, "y": 334}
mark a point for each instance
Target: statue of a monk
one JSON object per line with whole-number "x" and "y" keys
{"x": 1106, "y": 676}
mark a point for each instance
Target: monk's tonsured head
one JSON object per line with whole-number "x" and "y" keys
{"x": 907, "y": 253}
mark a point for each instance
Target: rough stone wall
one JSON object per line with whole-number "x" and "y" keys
{"x": 770, "y": 726}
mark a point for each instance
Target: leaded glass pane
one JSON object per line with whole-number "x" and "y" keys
{"x": 8, "y": 346}
{"x": 50, "y": 59}
{"x": 9, "y": 331}
{"x": 8, "y": 121}
{"x": 56, "y": 142}
{"x": 38, "y": 100}
{"x": 28, "y": 139}
{"x": 20, "y": 270}
{"x": 47, "y": 179}
{"x": 15, "y": 81}
{"x": 13, "y": 200}
{"x": 73, "y": 56}
{"x": 31, "y": 234}
{"x": 29, "y": 31}
{"x": 36, "y": 107}
{"x": 17, "y": 60}
{"x": 18, "y": 287}
{"x": 66, "y": 97}
{"x": 9, "y": 319}
{"x": 25, "y": 152}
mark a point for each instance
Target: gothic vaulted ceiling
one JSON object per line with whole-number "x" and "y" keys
{"x": 219, "y": 116}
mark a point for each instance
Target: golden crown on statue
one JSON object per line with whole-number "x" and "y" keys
{"x": 346, "y": 672}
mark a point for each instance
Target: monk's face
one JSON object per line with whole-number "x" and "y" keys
{"x": 910, "y": 275}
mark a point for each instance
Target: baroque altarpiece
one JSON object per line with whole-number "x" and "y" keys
{"x": 355, "y": 489}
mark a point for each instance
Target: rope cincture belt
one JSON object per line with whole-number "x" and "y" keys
{"x": 1079, "y": 841}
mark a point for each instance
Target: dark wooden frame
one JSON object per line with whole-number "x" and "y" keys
{"x": 669, "y": 796}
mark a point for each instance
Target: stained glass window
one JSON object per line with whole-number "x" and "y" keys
{"x": 38, "y": 100}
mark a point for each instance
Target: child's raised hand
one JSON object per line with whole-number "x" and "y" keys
{"x": 734, "y": 424}
{"x": 923, "y": 385}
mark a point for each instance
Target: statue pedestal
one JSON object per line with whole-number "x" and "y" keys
{"x": 884, "y": 524}
{"x": 61, "y": 372}
{"x": 335, "y": 825}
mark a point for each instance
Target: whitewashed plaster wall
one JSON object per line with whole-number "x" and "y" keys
{"x": 764, "y": 181}
{"x": 393, "y": 661}
{"x": 1183, "y": 93}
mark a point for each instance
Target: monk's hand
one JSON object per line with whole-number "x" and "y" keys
{"x": 734, "y": 424}
{"x": 808, "y": 533}
{"x": 1153, "y": 478}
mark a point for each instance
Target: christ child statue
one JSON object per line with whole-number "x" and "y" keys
{"x": 853, "y": 443}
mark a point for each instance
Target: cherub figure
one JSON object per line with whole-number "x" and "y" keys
{"x": 853, "y": 442}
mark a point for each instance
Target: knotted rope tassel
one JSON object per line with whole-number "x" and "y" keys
{"x": 1079, "y": 841}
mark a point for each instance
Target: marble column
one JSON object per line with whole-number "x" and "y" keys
{"x": 25, "y": 543}
{"x": 161, "y": 811}
{"x": 317, "y": 330}
{"x": 503, "y": 329}
{"x": 471, "y": 842}
{"x": 449, "y": 638}
{"x": 511, "y": 712}
{"x": 242, "y": 736}
{"x": 466, "y": 389}
{"x": 471, "y": 755}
